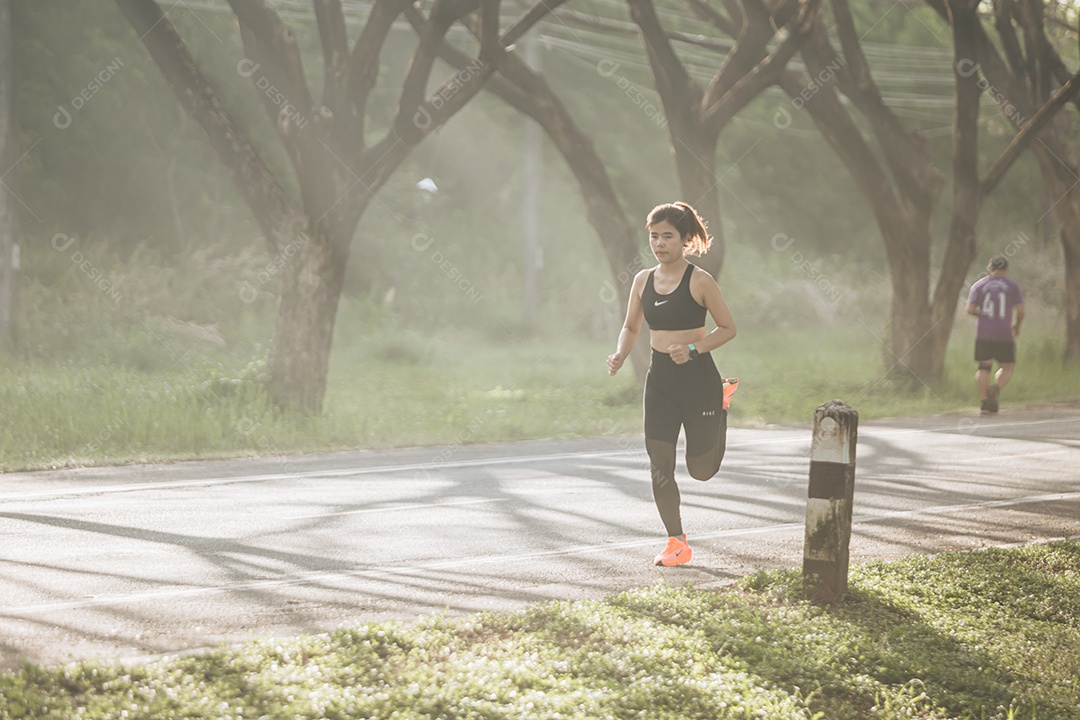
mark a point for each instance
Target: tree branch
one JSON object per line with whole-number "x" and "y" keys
{"x": 1014, "y": 89}
{"x": 534, "y": 15}
{"x": 416, "y": 117}
{"x": 961, "y": 244}
{"x": 993, "y": 67}
{"x": 765, "y": 73}
{"x": 717, "y": 19}
{"x": 364, "y": 70}
{"x": 906, "y": 151}
{"x": 443, "y": 14}
{"x": 749, "y": 50}
{"x": 1010, "y": 45}
{"x": 273, "y": 45}
{"x": 1061, "y": 73}
{"x": 330, "y": 19}
{"x": 414, "y": 121}
{"x": 490, "y": 49}
{"x": 674, "y": 84}
{"x": 837, "y": 126}
{"x": 1027, "y": 133}
{"x": 1031, "y": 24}
{"x": 737, "y": 15}
{"x": 856, "y": 65}
{"x": 615, "y": 27}
{"x": 272, "y": 207}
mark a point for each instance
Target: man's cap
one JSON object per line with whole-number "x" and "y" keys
{"x": 998, "y": 262}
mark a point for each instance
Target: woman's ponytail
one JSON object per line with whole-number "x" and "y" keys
{"x": 692, "y": 229}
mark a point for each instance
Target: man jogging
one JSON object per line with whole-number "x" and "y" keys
{"x": 992, "y": 300}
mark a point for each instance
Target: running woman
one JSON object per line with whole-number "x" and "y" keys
{"x": 683, "y": 387}
{"x": 993, "y": 300}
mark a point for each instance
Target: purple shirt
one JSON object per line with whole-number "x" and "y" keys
{"x": 995, "y": 296}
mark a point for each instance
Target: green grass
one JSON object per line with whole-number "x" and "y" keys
{"x": 175, "y": 368}
{"x": 980, "y": 635}
{"x": 59, "y": 415}
{"x": 393, "y": 388}
{"x": 785, "y": 375}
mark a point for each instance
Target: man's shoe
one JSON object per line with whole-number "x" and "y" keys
{"x": 984, "y": 408}
{"x": 992, "y": 394}
{"x": 677, "y": 552}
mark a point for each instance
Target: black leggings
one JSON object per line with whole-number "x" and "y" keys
{"x": 690, "y": 395}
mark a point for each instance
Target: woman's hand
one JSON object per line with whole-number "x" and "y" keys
{"x": 614, "y": 362}
{"x": 679, "y": 353}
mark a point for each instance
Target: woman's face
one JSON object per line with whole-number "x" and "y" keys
{"x": 665, "y": 241}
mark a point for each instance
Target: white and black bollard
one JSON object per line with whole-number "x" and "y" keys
{"x": 829, "y": 501}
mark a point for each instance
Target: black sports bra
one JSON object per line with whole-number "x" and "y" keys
{"x": 677, "y": 310}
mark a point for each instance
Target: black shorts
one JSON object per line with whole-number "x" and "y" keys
{"x": 1004, "y": 351}
{"x": 691, "y": 397}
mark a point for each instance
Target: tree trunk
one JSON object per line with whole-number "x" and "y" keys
{"x": 1025, "y": 84}
{"x": 9, "y": 158}
{"x": 1064, "y": 190}
{"x": 914, "y": 354}
{"x": 1070, "y": 240}
{"x": 695, "y": 163}
{"x": 313, "y": 273}
{"x": 329, "y": 155}
{"x": 697, "y": 116}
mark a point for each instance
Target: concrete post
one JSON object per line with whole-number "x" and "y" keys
{"x": 829, "y": 501}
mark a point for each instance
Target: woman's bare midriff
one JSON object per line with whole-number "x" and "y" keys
{"x": 661, "y": 340}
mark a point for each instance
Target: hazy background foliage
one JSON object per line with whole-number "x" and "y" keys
{"x": 140, "y": 257}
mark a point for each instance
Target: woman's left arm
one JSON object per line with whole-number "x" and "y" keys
{"x": 707, "y": 292}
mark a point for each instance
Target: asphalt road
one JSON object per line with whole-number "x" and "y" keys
{"x": 133, "y": 562}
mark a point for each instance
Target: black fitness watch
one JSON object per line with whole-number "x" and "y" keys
{"x": 693, "y": 351}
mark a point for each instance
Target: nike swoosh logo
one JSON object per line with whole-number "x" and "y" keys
{"x": 658, "y": 303}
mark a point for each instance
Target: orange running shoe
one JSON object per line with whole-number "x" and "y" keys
{"x": 730, "y": 386}
{"x": 677, "y": 552}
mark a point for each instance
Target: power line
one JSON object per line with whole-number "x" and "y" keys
{"x": 577, "y": 35}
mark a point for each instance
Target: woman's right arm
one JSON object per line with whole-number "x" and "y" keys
{"x": 631, "y": 326}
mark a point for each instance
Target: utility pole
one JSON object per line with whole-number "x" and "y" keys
{"x": 533, "y": 188}
{"x": 9, "y": 157}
